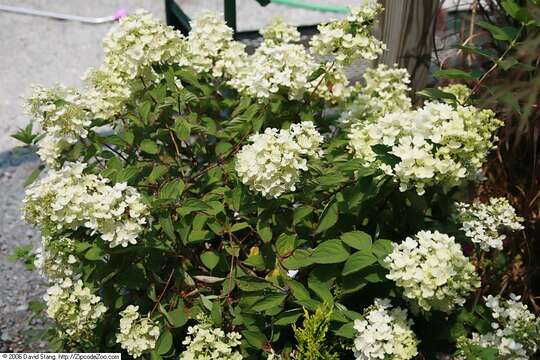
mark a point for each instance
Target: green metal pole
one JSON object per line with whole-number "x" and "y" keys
{"x": 230, "y": 14}
{"x": 313, "y": 6}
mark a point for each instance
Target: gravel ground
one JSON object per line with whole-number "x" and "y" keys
{"x": 36, "y": 50}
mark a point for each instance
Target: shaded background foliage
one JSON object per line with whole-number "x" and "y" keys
{"x": 497, "y": 55}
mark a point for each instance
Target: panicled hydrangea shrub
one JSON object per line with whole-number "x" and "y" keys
{"x": 70, "y": 199}
{"x": 203, "y": 341}
{"x": 432, "y": 271}
{"x": 385, "y": 333}
{"x": 188, "y": 176}
{"x": 435, "y": 145}
{"x": 137, "y": 334}
{"x": 484, "y": 222}
{"x": 385, "y": 90}
{"x": 351, "y": 38}
{"x": 272, "y": 163}
{"x": 75, "y": 308}
{"x": 515, "y": 331}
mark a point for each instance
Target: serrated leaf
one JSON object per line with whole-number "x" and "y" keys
{"x": 172, "y": 190}
{"x": 330, "y": 252}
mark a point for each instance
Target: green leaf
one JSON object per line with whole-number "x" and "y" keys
{"x": 330, "y": 252}
{"x": 298, "y": 290}
{"x": 149, "y": 146}
{"x": 264, "y": 231}
{"x": 453, "y": 74}
{"x": 288, "y": 317}
{"x": 210, "y": 259}
{"x": 321, "y": 289}
{"x": 358, "y": 261}
{"x": 94, "y": 253}
{"x": 382, "y": 247}
{"x": 433, "y": 93}
{"x": 144, "y": 110}
{"x": 347, "y": 331}
{"x": 182, "y": 128}
{"x": 167, "y": 226}
{"x": 249, "y": 283}
{"x": 328, "y": 218}
{"x": 172, "y": 190}
{"x": 239, "y": 226}
{"x": 358, "y": 240}
{"x": 197, "y": 236}
{"x": 164, "y": 343}
{"x": 506, "y": 33}
{"x": 177, "y": 318}
{"x": 33, "y": 176}
{"x": 25, "y": 135}
{"x": 269, "y": 301}
{"x": 301, "y": 212}
{"x": 299, "y": 259}
{"x": 285, "y": 244}
{"x": 192, "y": 205}
{"x": 157, "y": 172}
{"x": 254, "y": 338}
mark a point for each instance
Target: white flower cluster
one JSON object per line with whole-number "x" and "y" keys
{"x": 350, "y": 38}
{"x": 271, "y": 164}
{"x": 516, "y": 331}
{"x": 278, "y": 31}
{"x": 70, "y": 199}
{"x": 137, "y": 334}
{"x": 273, "y": 67}
{"x": 55, "y": 259}
{"x": 60, "y": 113}
{"x": 206, "y": 342}
{"x": 483, "y": 223}
{"x": 436, "y": 144}
{"x": 139, "y": 41}
{"x": 75, "y": 308}
{"x": 384, "y": 333}
{"x": 460, "y": 91}
{"x": 332, "y": 85}
{"x": 385, "y": 90}
{"x": 211, "y": 47}
{"x": 432, "y": 271}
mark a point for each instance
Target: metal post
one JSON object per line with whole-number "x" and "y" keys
{"x": 230, "y": 14}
